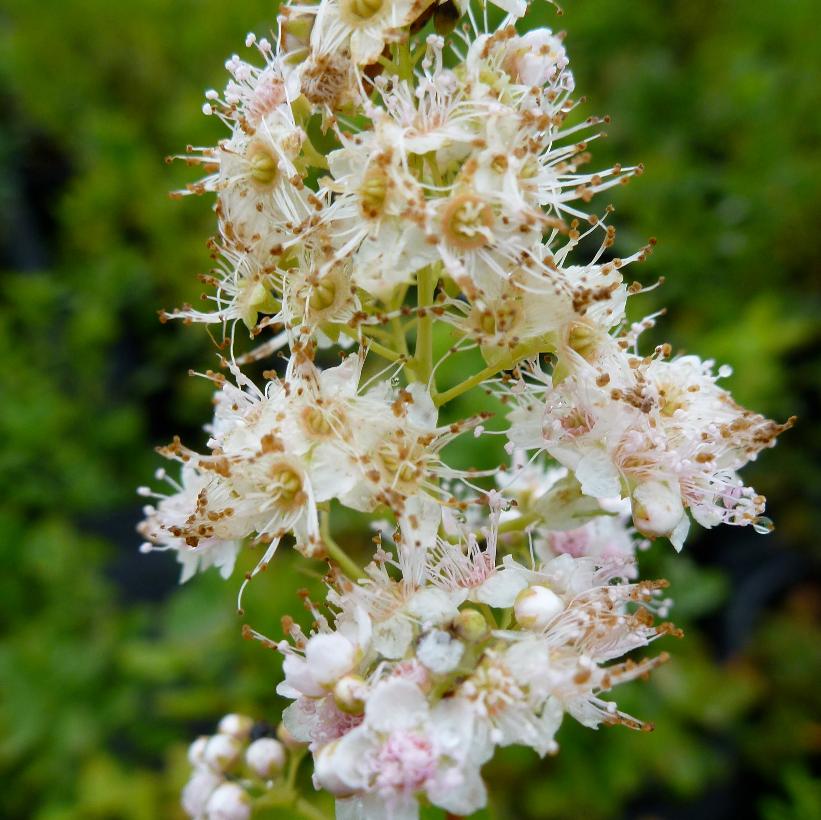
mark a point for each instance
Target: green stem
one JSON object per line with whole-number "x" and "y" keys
{"x": 505, "y": 363}
{"x": 294, "y": 760}
{"x": 489, "y": 616}
{"x": 372, "y": 344}
{"x": 313, "y": 157}
{"x": 405, "y": 64}
{"x": 308, "y": 810}
{"x": 346, "y": 564}
{"x": 520, "y": 523}
{"x": 423, "y": 354}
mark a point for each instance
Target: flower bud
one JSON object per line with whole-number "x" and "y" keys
{"x": 238, "y": 726}
{"x": 197, "y": 790}
{"x": 329, "y": 657}
{"x": 196, "y": 751}
{"x": 350, "y": 693}
{"x": 222, "y": 752}
{"x": 536, "y": 606}
{"x": 470, "y": 625}
{"x": 657, "y": 508}
{"x": 265, "y": 757}
{"x": 228, "y": 802}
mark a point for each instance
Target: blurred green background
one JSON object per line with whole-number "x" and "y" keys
{"x": 107, "y": 669}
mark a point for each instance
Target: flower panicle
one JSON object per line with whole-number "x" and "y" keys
{"x": 407, "y": 186}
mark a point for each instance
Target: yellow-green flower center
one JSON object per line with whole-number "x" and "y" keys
{"x": 364, "y": 9}
{"x": 262, "y": 165}
{"x": 466, "y": 221}
{"x": 285, "y": 484}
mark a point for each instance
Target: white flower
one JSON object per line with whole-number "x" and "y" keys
{"x": 439, "y": 651}
{"x": 238, "y": 726}
{"x": 405, "y": 748}
{"x": 362, "y": 26}
{"x": 662, "y": 429}
{"x": 166, "y": 527}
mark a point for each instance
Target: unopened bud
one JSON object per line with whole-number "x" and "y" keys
{"x": 265, "y": 757}
{"x": 536, "y": 606}
{"x": 198, "y": 790}
{"x": 228, "y": 802}
{"x": 657, "y": 508}
{"x": 238, "y": 726}
{"x": 196, "y": 751}
{"x": 350, "y": 693}
{"x": 222, "y": 752}
{"x": 470, "y": 625}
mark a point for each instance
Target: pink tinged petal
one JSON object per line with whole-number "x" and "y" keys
{"x": 300, "y": 718}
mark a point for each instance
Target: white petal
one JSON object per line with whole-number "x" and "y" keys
{"x": 432, "y": 606}
{"x": 598, "y": 475}
{"x": 501, "y": 589}
{"x": 329, "y": 657}
{"x": 392, "y": 637}
{"x": 333, "y": 475}
{"x": 395, "y": 705}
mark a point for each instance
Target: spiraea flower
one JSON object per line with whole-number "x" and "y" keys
{"x": 401, "y": 187}
{"x": 659, "y": 432}
{"x": 361, "y": 27}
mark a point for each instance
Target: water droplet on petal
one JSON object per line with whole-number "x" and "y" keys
{"x": 763, "y": 525}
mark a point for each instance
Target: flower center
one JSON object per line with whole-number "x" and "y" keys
{"x": 466, "y": 222}
{"x": 403, "y": 463}
{"x": 671, "y": 398}
{"x": 323, "y": 294}
{"x": 285, "y": 485}
{"x": 364, "y": 9}
{"x": 315, "y": 422}
{"x": 373, "y": 193}
{"x": 487, "y": 323}
{"x": 405, "y": 762}
{"x": 582, "y": 339}
{"x": 262, "y": 165}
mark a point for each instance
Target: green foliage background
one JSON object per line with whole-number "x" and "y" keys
{"x": 107, "y": 670}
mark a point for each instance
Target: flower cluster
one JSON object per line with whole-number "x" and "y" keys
{"x": 415, "y": 682}
{"x": 406, "y": 182}
{"x": 229, "y": 767}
